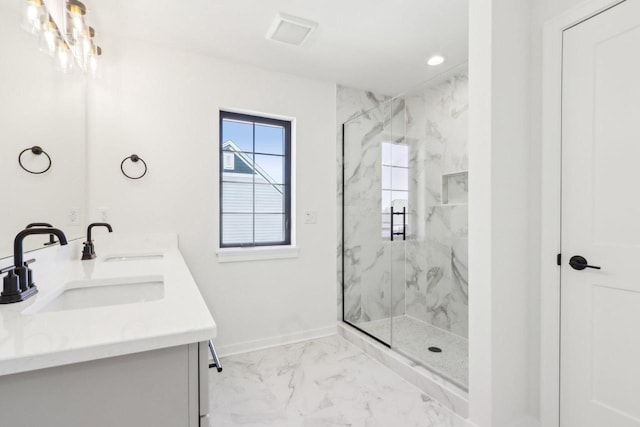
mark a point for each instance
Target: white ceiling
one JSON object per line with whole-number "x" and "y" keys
{"x": 380, "y": 45}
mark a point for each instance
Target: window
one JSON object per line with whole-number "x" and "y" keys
{"x": 255, "y": 181}
{"x": 395, "y": 185}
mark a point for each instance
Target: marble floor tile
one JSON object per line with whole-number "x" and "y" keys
{"x": 319, "y": 383}
{"x": 413, "y": 337}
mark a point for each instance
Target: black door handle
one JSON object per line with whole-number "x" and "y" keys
{"x": 580, "y": 263}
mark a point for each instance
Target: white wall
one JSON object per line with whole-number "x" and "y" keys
{"x": 163, "y": 105}
{"x": 503, "y": 340}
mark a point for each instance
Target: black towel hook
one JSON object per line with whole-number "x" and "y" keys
{"x": 37, "y": 150}
{"x": 134, "y": 158}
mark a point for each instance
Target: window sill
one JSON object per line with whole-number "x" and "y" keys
{"x": 256, "y": 254}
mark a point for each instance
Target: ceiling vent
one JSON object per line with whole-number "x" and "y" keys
{"x": 291, "y": 29}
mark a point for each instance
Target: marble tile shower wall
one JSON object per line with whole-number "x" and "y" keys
{"x": 427, "y": 278}
{"x": 436, "y": 253}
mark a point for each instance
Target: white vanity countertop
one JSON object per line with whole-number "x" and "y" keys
{"x": 44, "y": 339}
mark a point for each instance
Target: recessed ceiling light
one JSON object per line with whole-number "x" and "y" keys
{"x": 435, "y": 60}
{"x": 291, "y": 29}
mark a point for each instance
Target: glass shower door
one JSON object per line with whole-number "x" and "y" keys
{"x": 367, "y": 255}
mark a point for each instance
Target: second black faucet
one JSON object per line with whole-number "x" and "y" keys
{"x": 89, "y": 252}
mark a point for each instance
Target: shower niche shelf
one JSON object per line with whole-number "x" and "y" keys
{"x": 455, "y": 188}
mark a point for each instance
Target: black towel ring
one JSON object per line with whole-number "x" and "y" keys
{"x": 37, "y": 151}
{"x": 134, "y": 158}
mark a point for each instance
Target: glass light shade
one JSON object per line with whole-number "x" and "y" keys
{"x": 80, "y": 49}
{"x": 93, "y": 65}
{"x": 86, "y": 51}
{"x": 86, "y": 47}
{"x": 78, "y": 21}
{"x": 76, "y": 18}
{"x": 64, "y": 57}
{"x": 93, "y": 60}
{"x": 76, "y": 34}
{"x": 49, "y": 38}
{"x": 75, "y": 23}
{"x": 34, "y": 16}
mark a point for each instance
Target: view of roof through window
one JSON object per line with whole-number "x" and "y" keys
{"x": 254, "y": 184}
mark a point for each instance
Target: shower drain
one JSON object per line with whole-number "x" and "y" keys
{"x": 435, "y": 349}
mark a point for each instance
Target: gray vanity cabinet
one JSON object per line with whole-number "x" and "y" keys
{"x": 162, "y": 388}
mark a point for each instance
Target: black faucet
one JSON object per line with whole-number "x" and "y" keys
{"x": 89, "y": 252}
{"x": 18, "y": 285}
{"x": 52, "y": 240}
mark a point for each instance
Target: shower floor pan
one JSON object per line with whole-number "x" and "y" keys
{"x": 413, "y": 338}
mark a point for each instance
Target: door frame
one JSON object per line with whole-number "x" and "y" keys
{"x": 551, "y": 202}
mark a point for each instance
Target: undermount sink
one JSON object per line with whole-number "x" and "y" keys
{"x": 133, "y": 257}
{"x": 101, "y": 292}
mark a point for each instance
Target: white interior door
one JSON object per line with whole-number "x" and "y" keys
{"x": 600, "y": 332}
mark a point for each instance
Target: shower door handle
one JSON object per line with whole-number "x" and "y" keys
{"x": 403, "y": 233}
{"x": 392, "y": 214}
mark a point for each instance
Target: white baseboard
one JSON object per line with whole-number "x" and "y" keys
{"x": 524, "y": 422}
{"x": 261, "y": 344}
{"x": 527, "y": 421}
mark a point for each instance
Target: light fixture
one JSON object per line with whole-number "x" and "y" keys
{"x": 49, "y": 37}
{"x": 64, "y": 57}
{"x": 75, "y": 43}
{"x": 435, "y": 60}
{"x": 77, "y": 10}
{"x": 84, "y": 46}
{"x": 35, "y": 16}
{"x": 93, "y": 60}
